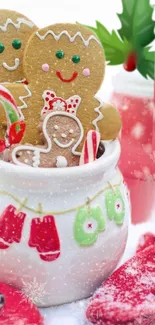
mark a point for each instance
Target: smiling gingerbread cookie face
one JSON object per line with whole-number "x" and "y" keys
{"x": 64, "y": 130}
{"x": 68, "y": 56}
{"x": 15, "y": 29}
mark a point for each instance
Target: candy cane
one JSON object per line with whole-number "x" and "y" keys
{"x": 12, "y": 112}
{"x": 90, "y": 147}
{"x": 15, "y": 127}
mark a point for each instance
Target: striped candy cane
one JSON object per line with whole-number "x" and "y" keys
{"x": 15, "y": 127}
{"x": 90, "y": 147}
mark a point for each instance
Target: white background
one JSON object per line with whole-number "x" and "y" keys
{"x": 46, "y": 12}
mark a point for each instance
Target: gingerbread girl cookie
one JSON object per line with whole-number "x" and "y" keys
{"x": 15, "y": 30}
{"x": 61, "y": 61}
{"x": 61, "y": 132}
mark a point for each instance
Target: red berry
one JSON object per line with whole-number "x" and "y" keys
{"x": 131, "y": 63}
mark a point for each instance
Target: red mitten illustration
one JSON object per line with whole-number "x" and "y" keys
{"x": 11, "y": 225}
{"x": 44, "y": 237}
{"x": 128, "y": 296}
{"x": 145, "y": 241}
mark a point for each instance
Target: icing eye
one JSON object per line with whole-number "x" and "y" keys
{"x": 60, "y": 54}
{"x": 56, "y": 127}
{"x": 2, "y": 47}
{"x": 16, "y": 44}
{"x": 76, "y": 58}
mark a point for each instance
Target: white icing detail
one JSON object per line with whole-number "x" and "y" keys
{"x": 38, "y": 151}
{"x": 71, "y": 38}
{"x": 16, "y": 25}
{"x": 26, "y": 161}
{"x": 56, "y": 127}
{"x": 64, "y": 135}
{"x": 100, "y": 115}
{"x": 58, "y": 105}
{"x": 54, "y": 135}
{"x": 36, "y": 159}
{"x": 61, "y": 145}
{"x": 21, "y": 98}
{"x": 61, "y": 162}
{"x": 71, "y": 131}
{"x": 11, "y": 68}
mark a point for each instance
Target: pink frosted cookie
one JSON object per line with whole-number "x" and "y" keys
{"x": 128, "y": 296}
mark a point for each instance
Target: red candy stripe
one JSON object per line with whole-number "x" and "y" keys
{"x": 90, "y": 147}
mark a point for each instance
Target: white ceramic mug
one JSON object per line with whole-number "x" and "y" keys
{"x": 62, "y": 231}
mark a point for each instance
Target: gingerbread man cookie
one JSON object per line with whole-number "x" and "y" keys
{"x": 61, "y": 132}
{"x": 15, "y": 30}
{"x": 63, "y": 61}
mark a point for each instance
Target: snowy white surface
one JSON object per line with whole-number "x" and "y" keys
{"x": 74, "y": 314}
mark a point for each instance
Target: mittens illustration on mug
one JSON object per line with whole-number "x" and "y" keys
{"x": 44, "y": 237}
{"x": 11, "y": 225}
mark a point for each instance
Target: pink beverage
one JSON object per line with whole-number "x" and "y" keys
{"x": 133, "y": 95}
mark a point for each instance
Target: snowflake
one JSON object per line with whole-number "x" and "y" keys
{"x": 34, "y": 290}
{"x": 124, "y": 107}
{"x": 149, "y": 151}
{"x": 58, "y": 105}
{"x": 145, "y": 174}
{"x": 138, "y": 130}
{"x": 150, "y": 106}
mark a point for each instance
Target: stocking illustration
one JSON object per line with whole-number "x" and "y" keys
{"x": 11, "y": 225}
{"x": 44, "y": 237}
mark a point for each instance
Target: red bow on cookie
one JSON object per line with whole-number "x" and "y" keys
{"x": 54, "y": 103}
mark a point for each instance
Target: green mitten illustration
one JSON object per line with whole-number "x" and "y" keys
{"x": 89, "y": 222}
{"x": 115, "y": 206}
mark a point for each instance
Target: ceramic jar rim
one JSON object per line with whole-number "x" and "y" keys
{"x": 109, "y": 158}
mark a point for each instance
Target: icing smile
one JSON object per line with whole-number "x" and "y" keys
{"x": 59, "y": 74}
{"x": 59, "y": 144}
{"x": 11, "y": 68}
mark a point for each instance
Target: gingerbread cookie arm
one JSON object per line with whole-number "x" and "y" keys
{"x": 110, "y": 125}
{"x": 20, "y": 93}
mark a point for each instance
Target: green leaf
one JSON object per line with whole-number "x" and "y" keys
{"x": 137, "y": 23}
{"x": 146, "y": 63}
{"x": 115, "y": 49}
